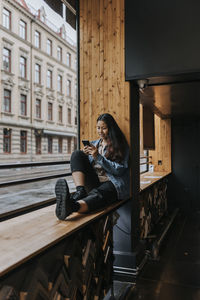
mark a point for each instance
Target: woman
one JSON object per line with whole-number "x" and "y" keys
{"x": 100, "y": 172}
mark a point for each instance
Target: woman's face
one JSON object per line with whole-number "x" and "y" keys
{"x": 102, "y": 130}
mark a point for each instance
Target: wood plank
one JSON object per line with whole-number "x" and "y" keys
{"x": 149, "y": 178}
{"x": 26, "y": 236}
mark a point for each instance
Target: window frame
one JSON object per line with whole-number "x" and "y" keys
{"x": 59, "y": 53}
{"x": 69, "y": 59}
{"x": 6, "y": 19}
{"x": 50, "y": 144}
{"x": 7, "y": 101}
{"x": 37, "y": 40}
{"x": 49, "y": 79}
{"x": 60, "y": 83}
{"x": 50, "y": 111}
{"x": 7, "y": 140}
{"x": 69, "y": 88}
{"x": 38, "y": 145}
{"x": 69, "y": 115}
{"x": 38, "y": 108}
{"x": 37, "y": 73}
{"x": 7, "y": 59}
{"x": 49, "y": 47}
{"x": 23, "y": 29}
{"x": 23, "y": 102}
{"x": 23, "y": 67}
{"x": 23, "y": 142}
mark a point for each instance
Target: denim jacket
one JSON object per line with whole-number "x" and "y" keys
{"x": 118, "y": 173}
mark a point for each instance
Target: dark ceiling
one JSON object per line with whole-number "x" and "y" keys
{"x": 173, "y": 100}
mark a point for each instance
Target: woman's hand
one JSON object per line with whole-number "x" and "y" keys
{"x": 91, "y": 150}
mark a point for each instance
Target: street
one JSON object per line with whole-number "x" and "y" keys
{"x": 22, "y": 195}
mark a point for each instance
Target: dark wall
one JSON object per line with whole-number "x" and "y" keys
{"x": 161, "y": 37}
{"x": 184, "y": 183}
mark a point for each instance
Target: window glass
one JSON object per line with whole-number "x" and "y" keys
{"x": 22, "y": 29}
{"x": 23, "y": 105}
{"x": 7, "y": 100}
{"x": 37, "y": 39}
{"x": 6, "y": 59}
{"x": 38, "y": 51}
{"x": 23, "y": 141}
{"x": 22, "y": 67}
{"x": 6, "y": 18}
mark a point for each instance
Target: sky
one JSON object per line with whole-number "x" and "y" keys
{"x": 53, "y": 17}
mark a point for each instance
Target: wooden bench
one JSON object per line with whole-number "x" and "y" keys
{"x": 26, "y": 236}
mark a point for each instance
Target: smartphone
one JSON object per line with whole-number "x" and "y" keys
{"x": 86, "y": 142}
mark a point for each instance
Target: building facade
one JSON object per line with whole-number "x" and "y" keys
{"x": 38, "y": 111}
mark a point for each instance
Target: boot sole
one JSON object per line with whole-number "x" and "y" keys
{"x": 63, "y": 208}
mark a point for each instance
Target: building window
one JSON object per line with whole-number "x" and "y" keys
{"x": 69, "y": 113}
{"x": 49, "y": 79}
{"x": 23, "y": 105}
{"x": 49, "y": 47}
{"x": 38, "y": 108}
{"x": 37, "y": 73}
{"x": 37, "y": 39}
{"x": 23, "y": 141}
{"x": 22, "y": 67}
{"x": 69, "y": 88}
{"x": 6, "y": 59}
{"x": 6, "y": 140}
{"x": 60, "y": 113}
{"x": 76, "y": 119}
{"x": 38, "y": 144}
{"x": 68, "y": 59}
{"x": 60, "y": 145}
{"x": 23, "y": 29}
{"x": 7, "y": 101}
{"x": 6, "y": 18}
{"x": 50, "y": 111}
{"x": 60, "y": 83}
{"x": 69, "y": 145}
{"x": 59, "y": 53}
{"x": 50, "y": 144}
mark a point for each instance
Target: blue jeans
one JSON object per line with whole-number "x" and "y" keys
{"x": 101, "y": 194}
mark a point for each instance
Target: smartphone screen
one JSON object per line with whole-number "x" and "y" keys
{"x": 86, "y": 142}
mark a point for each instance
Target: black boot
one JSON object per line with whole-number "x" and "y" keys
{"x": 79, "y": 194}
{"x": 63, "y": 201}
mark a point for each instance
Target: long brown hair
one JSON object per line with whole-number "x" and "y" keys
{"x": 117, "y": 144}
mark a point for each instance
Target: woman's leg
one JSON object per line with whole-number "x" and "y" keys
{"x": 84, "y": 175}
{"x": 99, "y": 197}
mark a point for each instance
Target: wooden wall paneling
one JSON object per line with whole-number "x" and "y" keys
{"x": 161, "y": 156}
{"x": 102, "y": 84}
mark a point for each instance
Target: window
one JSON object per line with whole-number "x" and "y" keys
{"x": 6, "y": 59}
{"x": 75, "y": 119}
{"x": 37, "y": 73}
{"x": 50, "y": 144}
{"x": 69, "y": 59}
{"x": 38, "y": 144}
{"x": 60, "y": 83}
{"x": 6, "y": 140}
{"x": 23, "y": 105}
{"x": 60, "y": 113}
{"x": 38, "y": 108}
{"x": 6, "y": 18}
{"x": 50, "y": 111}
{"x": 69, "y": 88}
{"x": 49, "y": 47}
{"x": 23, "y": 141}
{"x": 59, "y": 53}
{"x": 37, "y": 39}
{"x": 60, "y": 143}
{"x": 69, "y": 115}
{"x": 23, "y": 29}
{"x": 69, "y": 145}
{"x": 22, "y": 67}
{"x": 7, "y": 101}
{"x": 49, "y": 79}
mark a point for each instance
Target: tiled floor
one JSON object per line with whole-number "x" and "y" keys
{"x": 176, "y": 275}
